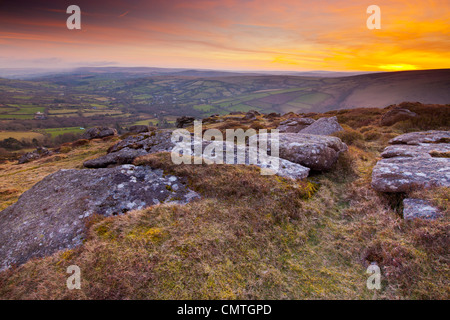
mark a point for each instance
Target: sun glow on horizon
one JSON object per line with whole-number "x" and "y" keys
{"x": 397, "y": 67}
{"x": 294, "y": 35}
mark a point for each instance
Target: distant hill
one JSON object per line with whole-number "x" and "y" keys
{"x": 176, "y": 92}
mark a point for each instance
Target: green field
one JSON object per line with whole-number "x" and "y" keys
{"x": 54, "y": 132}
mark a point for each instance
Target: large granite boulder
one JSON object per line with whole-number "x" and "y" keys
{"x": 272, "y": 165}
{"x": 419, "y": 209}
{"x": 98, "y": 133}
{"x": 313, "y": 151}
{"x": 323, "y": 126}
{"x": 396, "y": 115}
{"x": 415, "y": 160}
{"x": 51, "y": 215}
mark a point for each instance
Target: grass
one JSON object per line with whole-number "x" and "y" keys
{"x": 19, "y": 135}
{"x": 59, "y": 131}
{"x": 16, "y": 179}
{"x": 248, "y": 237}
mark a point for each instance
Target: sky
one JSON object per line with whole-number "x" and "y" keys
{"x": 243, "y": 35}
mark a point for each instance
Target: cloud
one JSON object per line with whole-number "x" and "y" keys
{"x": 250, "y": 34}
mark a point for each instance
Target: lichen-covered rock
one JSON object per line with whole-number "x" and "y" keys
{"x": 123, "y": 156}
{"x": 422, "y": 150}
{"x": 419, "y": 209}
{"x": 313, "y": 151}
{"x": 273, "y": 165}
{"x": 403, "y": 174}
{"x": 323, "y": 126}
{"x": 150, "y": 142}
{"x": 51, "y": 215}
{"x": 414, "y": 160}
{"x": 416, "y": 138}
{"x": 98, "y": 132}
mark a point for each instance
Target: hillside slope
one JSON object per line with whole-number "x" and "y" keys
{"x": 253, "y": 236}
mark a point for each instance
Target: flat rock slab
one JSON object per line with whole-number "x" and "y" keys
{"x": 421, "y": 150}
{"x": 123, "y": 156}
{"x": 51, "y": 215}
{"x": 416, "y": 138}
{"x": 420, "y": 209}
{"x": 403, "y": 174}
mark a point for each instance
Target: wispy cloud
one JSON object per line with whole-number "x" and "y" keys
{"x": 232, "y": 34}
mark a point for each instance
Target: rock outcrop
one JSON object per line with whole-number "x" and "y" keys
{"x": 323, "y": 127}
{"x": 313, "y": 151}
{"x": 184, "y": 121}
{"x": 51, "y": 215}
{"x": 123, "y": 156}
{"x": 138, "y": 129}
{"x": 294, "y": 125}
{"x": 298, "y": 152}
{"x": 98, "y": 133}
{"x": 251, "y": 115}
{"x": 416, "y": 138}
{"x": 419, "y": 209}
{"x": 415, "y": 160}
{"x": 150, "y": 142}
{"x": 39, "y": 153}
{"x": 396, "y": 115}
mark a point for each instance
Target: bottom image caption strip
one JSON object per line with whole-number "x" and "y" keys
{"x": 226, "y": 309}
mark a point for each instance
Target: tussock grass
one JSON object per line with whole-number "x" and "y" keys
{"x": 252, "y": 237}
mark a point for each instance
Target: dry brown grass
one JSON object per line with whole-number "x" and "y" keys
{"x": 16, "y": 179}
{"x": 253, "y": 237}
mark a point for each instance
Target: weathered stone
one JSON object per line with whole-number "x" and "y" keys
{"x": 396, "y": 115}
{"x": 99, "y": 132}
{"x": 416, "y": 138}
{"x": 123, "y": 156}
{"x": 420, "y": 209}
{"x": 423, "y": 150}
{"x": 251, "y": 115}
{"x": 285, "y": 168}
{"x": 151, "y": 142}
{"x": 184, "y": 121}
{"x": 294, "y": 125}
{"x": 39, "y": 153}
{"x": 138, "y": 129}
{"x": 312, "y": 151}
{"x": 403, "y": 174}
{"x": 323, "y": 126}
{"x": 51, "y": 215}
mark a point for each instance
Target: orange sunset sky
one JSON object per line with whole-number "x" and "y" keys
{"x": 228, "y": 35}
